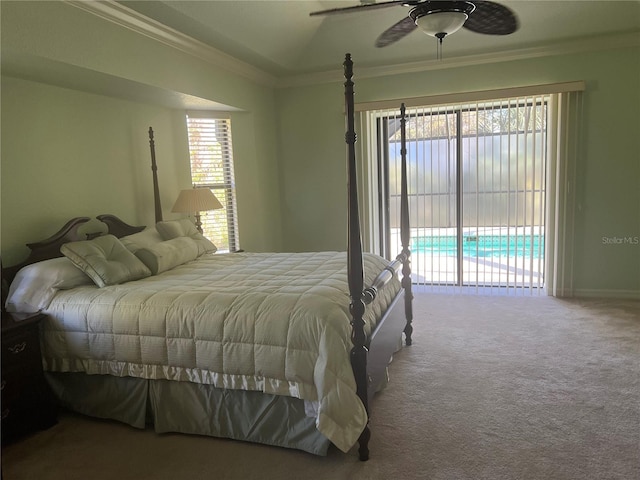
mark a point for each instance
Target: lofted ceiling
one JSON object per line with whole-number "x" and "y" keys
{"x": 277, "y": 43}
{"x": 280, "y": 38}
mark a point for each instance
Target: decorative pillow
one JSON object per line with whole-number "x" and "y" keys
{"x": 185, "y": 228}
{"x": 106, "y": 260}
{"x": 144, "y": 239}
{"x": 35, "y": 285}
{"x": 166, "y": 255}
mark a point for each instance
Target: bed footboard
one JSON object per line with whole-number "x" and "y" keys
{"x": 355, "y": 270}
{"x": 405, "y": 230}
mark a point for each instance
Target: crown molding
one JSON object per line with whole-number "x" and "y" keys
{"x": 588, "y": 44}
{"x": 128, "y": 18}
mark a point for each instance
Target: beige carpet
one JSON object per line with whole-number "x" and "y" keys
{"x": 493, "y": 388}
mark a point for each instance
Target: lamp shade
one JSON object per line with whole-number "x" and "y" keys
{"x": 440, "y": 24}
{"x": 193, "y": 200}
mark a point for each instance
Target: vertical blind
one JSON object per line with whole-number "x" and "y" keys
{"x": 478, "y": 172}
{"x": 211, "y": 157}
{"x": 477, "y": 193}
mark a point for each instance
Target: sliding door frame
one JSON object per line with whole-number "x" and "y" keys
{"x": 563, "y": 139}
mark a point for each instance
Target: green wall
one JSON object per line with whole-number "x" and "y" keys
{"x": 608, "y": 170}
{"x": 70, "y": 150}
{"x": 67, "y": 153}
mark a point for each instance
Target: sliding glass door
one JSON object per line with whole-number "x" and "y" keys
{"x": 477, "y": 192}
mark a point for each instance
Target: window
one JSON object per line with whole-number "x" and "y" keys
{"x": 491, "y": 186}
{"x": 477, "y": 193}
{"x": 211, "y": 155}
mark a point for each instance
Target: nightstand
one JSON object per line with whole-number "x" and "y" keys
{"x": 27, "y": 402}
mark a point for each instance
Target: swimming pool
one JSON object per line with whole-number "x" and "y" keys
{"x": 481, "y": 246}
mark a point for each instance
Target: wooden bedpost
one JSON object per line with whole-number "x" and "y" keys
{"x": 355, "y": 266}
{"x": 405, "y": 230}
{"x": 154, "y": 170}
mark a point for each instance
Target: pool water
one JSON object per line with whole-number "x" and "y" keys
{"x": 485, "y": 246}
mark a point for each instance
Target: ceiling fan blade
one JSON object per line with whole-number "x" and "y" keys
{"x": 492, "y": 19}
{"x": 396, "y": 32}
{"x": 364, "y": 6}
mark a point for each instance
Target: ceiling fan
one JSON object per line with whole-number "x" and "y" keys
{"x": 439, "y": 18}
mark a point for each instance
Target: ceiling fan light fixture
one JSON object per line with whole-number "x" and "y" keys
{"x": 442, "y": 23}
{"x": 441, "y": 18}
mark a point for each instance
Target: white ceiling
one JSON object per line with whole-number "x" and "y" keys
{"x": 280, "y": 38}
{"x": 277, "y": 43}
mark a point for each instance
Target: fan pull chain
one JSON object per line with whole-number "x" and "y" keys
{"x": 439, "y": 38}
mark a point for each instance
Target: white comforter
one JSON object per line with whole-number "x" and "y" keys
{"x": 276, "y": 323}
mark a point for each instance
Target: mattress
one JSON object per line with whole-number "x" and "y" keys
{"x": 274, "y": 322}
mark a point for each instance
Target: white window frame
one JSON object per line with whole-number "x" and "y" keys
{"x": 220, "y": 226}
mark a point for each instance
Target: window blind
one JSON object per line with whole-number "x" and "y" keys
{"x": 476, "y": 190}
{"x": 491, "y": 186}
{"x": 211, "y": 156}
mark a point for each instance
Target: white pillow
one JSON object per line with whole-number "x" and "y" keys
{"x": 106, "y": 260}
{"x": 185, "y": 228}
{"x": 147, "y": 238}
{"x": 166, "y": 255}
{"x": 35, "y": 285}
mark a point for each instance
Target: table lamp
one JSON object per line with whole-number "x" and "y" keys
{"x": 195, "y": 200}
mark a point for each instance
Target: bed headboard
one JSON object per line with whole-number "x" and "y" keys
{"x": 50, "y": 247}
{"x": 154, "y": 170}
{"x": 117, "y": 227}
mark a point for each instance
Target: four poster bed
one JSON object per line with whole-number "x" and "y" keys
{"x": 146, "y": 325}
